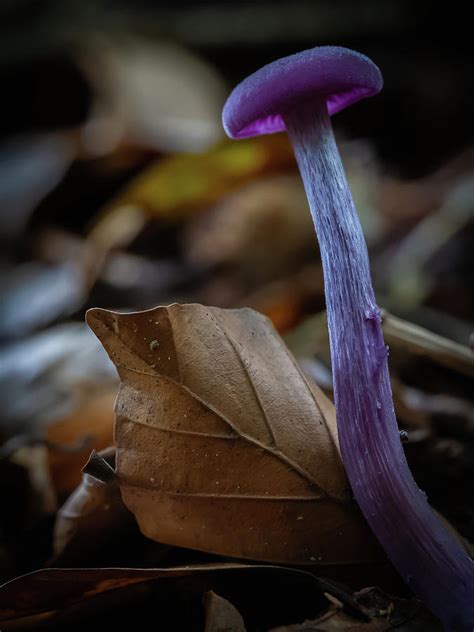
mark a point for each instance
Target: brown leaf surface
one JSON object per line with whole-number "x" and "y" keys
{"x": 222, "y": 445}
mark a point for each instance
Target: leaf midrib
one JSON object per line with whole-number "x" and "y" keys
{"x": 275, "y": 452}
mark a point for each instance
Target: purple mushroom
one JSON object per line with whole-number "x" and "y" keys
{"x": 298, "y": 94}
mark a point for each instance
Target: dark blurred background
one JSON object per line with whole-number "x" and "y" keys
{"x": 118, "y": 189}
{"x": 424, "y": 49}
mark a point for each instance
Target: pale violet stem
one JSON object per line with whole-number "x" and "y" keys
{"x": 430, "y": 561}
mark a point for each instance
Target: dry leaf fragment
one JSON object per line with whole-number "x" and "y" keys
{"x": 222, "y": 446}
{"x": 266, "y": 597}
{"x": 221, "y": 615}
{"x": 93, "y": 516}
{"x": 72, "y": 596}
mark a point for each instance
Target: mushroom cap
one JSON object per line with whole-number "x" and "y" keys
{"x": 340, "y": 75}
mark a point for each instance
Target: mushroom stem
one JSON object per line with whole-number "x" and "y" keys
{"x": 427, "y": 557}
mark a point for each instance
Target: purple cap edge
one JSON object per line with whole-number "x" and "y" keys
{"x": 341, "y": 75}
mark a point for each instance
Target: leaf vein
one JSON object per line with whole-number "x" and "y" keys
{"x": 274, "y": 452}
{"x": 208, "y": 435}
{"x": 314, "y": 498}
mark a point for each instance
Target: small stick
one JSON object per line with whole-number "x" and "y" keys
{"x": 422, "y": 342}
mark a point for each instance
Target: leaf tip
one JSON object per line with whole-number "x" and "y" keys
{"x": 98, "y": 318}
{"x": 99, "y": 468}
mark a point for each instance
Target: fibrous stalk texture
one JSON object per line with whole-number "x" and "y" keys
{"x": 425, "y": 554}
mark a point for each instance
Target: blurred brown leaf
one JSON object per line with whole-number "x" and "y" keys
{"x": 262, "y": 596}
{"x": 399, "y": 200}
{"x": 264, "y": 230}
{"x": 424, "y": 254}
{"x": 154, "y": 93}
{"x": 177, "y": 186}
{"x": 266, "y": 595}
{"x": 92, "y": 516}
{"x": 286, "y": 301}
{"x": 222, "y": 445}
{"x": 90, "y": 423}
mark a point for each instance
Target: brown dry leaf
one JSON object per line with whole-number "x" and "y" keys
{"x": 90, "y": 424}
{"x": 286, "y": 301}
{"x": 265, "y": 596}
{"x": 176, "y": 187}
{"x": 91, "y": 517}
{"x": 83, "y": 595}
{"x": 222, "y": 445}
{"x": 263, "y": 230}
{"x": 221, "y": 615}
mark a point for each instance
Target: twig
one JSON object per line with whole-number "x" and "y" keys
{"x": 420, "y": 341}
